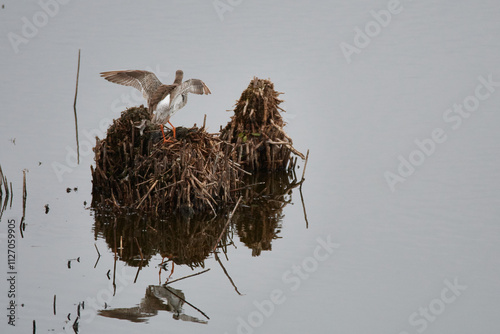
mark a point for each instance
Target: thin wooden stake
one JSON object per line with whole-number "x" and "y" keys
{"x": 74, "y": 110}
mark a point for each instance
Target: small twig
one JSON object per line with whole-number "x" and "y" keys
{"x": 145, "y": 196}
{"x": 54, "y": 306}
{"x": 204, "y": 121}
{"x": 303, "y": 206}
{"x": 245, "y": 107}
{"x": 227, "y": 224}
{"x": 188, "y": 276}
{"x": 74, "y": 110}
{"x": 249, "y": 186}
{"x": 185, "y": 301}
{"x": 236, "y": 166}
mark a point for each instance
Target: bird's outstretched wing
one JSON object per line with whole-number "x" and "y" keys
{"x": 195, "y": 86}
{"x": 144, "y": 81}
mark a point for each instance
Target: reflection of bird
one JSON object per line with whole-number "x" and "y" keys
{"x": 164, "y": 99}
{"x": 157, "y": 298}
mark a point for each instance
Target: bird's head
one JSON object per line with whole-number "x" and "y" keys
{"x": 178, "y": 77}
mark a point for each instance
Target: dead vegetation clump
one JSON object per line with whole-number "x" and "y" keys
{"x": 256, "y": 130}
{"x": 196, "y": 172}
{"x": 140, "y": 172}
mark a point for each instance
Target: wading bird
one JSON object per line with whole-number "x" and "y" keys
{"x": 163, "y": 100}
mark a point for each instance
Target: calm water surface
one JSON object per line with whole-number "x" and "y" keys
{"x": 418, "y": 256}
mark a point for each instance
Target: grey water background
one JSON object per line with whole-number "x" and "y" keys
{"x": 399, "y": 253}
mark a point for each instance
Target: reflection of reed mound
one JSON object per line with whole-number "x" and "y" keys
{"x": 259, "y": 223}
{"x": 184, "y": 241}
{"x": 257, "y": 129}
{"x": 140, "y": 172}
{"x": 189, "y": 241}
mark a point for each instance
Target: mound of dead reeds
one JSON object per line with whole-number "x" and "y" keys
{"x": 199, "y": 171}
{"x": 135, "y": 171}
{"x": 256, "y": 130}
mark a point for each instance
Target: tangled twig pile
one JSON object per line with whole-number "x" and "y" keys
{"x": 141, "y": 172}
{"x": 198, "y": 171}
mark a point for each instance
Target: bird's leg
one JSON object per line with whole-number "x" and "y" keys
{"x": 165, "y": 140}
{"x": 163, "y": 133}
{"x": 173, "y": 128}
{"x": 171, "y": 272}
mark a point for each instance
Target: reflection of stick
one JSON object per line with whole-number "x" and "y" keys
{"x": 142, "y": 259}
{"x": 25, "y": 196}
{"x": 140, "y": 251}
{"x": 225, "y": 272}
{"x": 305, "y": 165}
{"x": 228, "y": 221}
{"x": 74, "y": 109}
{"x": 98, "y": 257}
{"x": 185, "y": 301}
{"x": 188, "y": 276}
{"x": 300, "y": 190}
